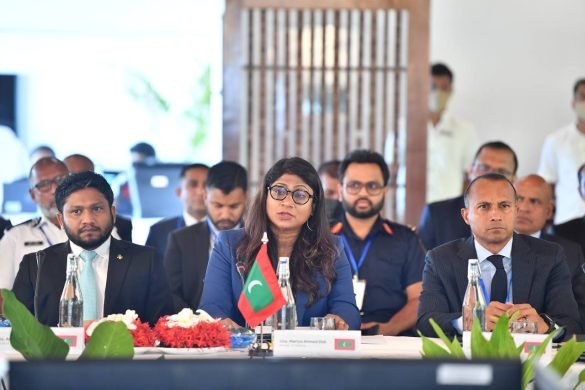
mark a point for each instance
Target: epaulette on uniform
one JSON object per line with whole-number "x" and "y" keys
{"x": 34, "y": 222}
{"x": 337, "y": 227}
{"x": 387, "y": 228}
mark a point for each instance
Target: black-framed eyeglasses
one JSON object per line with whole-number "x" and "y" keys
{"x": 45, "y": 185}
{"x": 485, "y": 168}
{"x": 278, "y": 192}
{"x": 354, "y": 187}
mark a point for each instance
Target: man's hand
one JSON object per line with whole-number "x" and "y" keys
{"x": 494, "y": 311}
{"x": 527, "y": 312}
{"x": 384, "y": 328}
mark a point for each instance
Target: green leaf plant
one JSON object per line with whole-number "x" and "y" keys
{"x": 36, "y": 341}
{"x": 501, "y": 346}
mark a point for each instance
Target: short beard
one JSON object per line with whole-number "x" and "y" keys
{"x": 231, "y": 223}
{"x": 90, "y": 245}
{"x": 374, "y": 209}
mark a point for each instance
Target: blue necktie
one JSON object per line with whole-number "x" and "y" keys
{"x": 88, "y": 286}
{"x": 499, "y": 290}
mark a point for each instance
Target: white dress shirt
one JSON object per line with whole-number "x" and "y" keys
{"x": 563, "y": 152}
{"x": 100, "y": 267}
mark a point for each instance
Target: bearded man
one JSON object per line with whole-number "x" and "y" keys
{"x": 114, "y": 275}
{"x": 385, "y": 255}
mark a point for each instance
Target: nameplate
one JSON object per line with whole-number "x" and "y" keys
{"x": 531, "y": 342}
{"x": 317, "y": 343}
{"x": 72, "y": 336}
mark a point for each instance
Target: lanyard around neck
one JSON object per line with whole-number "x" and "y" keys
{"x": 357, "y": 265}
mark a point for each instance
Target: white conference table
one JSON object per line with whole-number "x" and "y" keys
{"x": 372, "y": 347}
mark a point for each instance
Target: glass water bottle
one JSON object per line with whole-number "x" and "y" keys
{"x": 71, "y": 303}
{"x": 286, "y": 316}
{"x": 474, "y": 301}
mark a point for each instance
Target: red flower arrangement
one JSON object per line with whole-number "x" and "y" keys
{"x": 141, "y": 332}
{"x": 188, "y": 330}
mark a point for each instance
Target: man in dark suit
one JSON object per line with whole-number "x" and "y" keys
{"x": 521, "y": 274}
{"x": 441, "y": 222}
{"x": 192, "y": 195}
{"x": 114, "y": 275}
{"x": 189, "y": 248}
{"x": 574, "y": 229}
{"x": 77, "y": 163}
{"x": 535, "y": 208}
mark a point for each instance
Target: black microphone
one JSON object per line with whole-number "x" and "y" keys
{"x": 40, "y": 255}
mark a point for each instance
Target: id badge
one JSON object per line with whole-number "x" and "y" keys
{"x": 359, "y": 289}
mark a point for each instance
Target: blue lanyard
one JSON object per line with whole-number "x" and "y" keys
{"x": 356, "y": 266}
{"x": 46, "y": 237}
{"x": 485, "y": 294}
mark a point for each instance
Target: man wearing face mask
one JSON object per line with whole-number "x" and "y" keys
{"x": 330, "y": 181}
{"x": 562, "y": 154}
{"x": 451, "y": 141}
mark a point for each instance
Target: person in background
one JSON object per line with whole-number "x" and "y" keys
{"x": 328, "y": 173}
{"x": 115, "y": 275}
{"x": 574, "y": 229}
{"x": 562, "y": 153}
{"x": 77, "y": 163}
{"x": 387, "y": 256}
{"x": 41, "y": 151}
{"x": 140, "y": 153}
{"x": 521, "y": 274}
{"x": 37, "y": 233}
{"x": 450, "y": 141}
{"x": 188, "y": 250}
{"x": 143, "y": 153}
{"x": 535, "y": 209}
{"x": 441, "y": 222}
{"x": 289, "y": 207}
{"x": 192, "y": 195}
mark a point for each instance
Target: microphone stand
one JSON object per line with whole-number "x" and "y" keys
{"x": 40, "y": 260}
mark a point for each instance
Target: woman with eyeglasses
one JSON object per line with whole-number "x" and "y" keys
{"x": 290, "y": 208}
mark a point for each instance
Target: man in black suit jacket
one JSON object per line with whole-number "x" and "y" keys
{"x": 574, "y": 229}
{"x": 535, "y": 269}
{"x": 123, "y": 275}
{"x": 192, "y": 195}
{"x": 441, "y": 222}
{"x": 189, "y": 248}
{"x": 535, "y": 208}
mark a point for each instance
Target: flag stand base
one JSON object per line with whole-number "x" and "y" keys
{"x": 260, "y": 350}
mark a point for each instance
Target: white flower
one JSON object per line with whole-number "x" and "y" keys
{"x": 127, "y": 318}
{"x": 187, "y": 319}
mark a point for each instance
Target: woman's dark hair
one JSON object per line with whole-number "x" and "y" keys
{"x": 314, "y": 250}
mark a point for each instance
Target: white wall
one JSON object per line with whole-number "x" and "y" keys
{"x": 515, "y": 63}
{"x": 77, "y": 63}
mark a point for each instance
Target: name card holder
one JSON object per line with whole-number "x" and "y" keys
{"x": 317, "y": 343}
{"x": 72, "y": 336}
{"x": 531, "y": 342}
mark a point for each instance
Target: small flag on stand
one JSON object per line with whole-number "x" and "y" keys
{"x": 261, "y": 296}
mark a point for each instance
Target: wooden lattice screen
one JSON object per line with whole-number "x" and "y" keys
{"x": 317, "y": 79}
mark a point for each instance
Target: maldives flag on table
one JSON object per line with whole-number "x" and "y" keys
{"x": 261, "y": 296}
